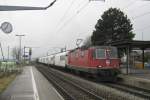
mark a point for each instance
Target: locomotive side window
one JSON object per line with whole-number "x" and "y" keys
{"x": 93, "y": 54}
{"x": 52, "y": 58}
{"x": 46, "y": 60}
{"x": 82, "y": 54}
{"x": 76, "y": 54}
{"x": 62, "y": 57}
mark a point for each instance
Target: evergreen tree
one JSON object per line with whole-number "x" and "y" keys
{"x": 113, "y": 26}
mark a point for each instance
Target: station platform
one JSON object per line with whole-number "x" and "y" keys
{"x": 136, "y": 77}
{"x": 30, "y": 85}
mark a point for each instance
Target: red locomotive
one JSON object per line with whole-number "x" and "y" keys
{"x": 100, "y": 61}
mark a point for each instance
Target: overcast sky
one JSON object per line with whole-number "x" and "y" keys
{"x": 65, "y": 21}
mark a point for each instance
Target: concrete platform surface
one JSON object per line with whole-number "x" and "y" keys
{"x": 138, "y": 80}
{"x": 30, "y": 85}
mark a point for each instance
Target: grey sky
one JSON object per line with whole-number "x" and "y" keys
{"x": 44, "y": 29}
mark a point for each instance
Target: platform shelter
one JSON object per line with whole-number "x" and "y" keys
{"x": 132, "y": 45}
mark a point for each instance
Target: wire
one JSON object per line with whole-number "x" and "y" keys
{"x": 68, "y": 21}
{"x": 138, "y": 16}
{"x": 141, "y": 6}
{"x": 65, "y": 24}
{"x": 83, "y": 7}
{"x": 144, "y": 28}
{"x": 130, "y": 4}
{"x": 68, "y": 9}
{"x": 81, "y": 3}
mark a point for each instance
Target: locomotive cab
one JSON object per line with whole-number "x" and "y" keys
{"x": 105, "y": 57}
{"x": 105, "y": 60}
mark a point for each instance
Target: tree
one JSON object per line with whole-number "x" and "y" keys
{"x": 113, "y": 26}
{"x": 87, "y": 42}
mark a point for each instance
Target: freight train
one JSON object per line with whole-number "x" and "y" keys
{"x": 101, "y": 62}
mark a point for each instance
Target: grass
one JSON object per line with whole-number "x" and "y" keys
{"x": 5, "y": 81}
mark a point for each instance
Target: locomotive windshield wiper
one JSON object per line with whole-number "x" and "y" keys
{"x": 16, "y": 8}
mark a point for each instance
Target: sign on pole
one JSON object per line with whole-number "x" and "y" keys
{"x": 6, "y": 27}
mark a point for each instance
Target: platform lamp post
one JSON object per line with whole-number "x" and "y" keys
{"x": 20, "y": 53}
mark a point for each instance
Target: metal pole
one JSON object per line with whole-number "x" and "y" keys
{"x": 128, "y": 59}
{"x": 20, "y": 37}
{"x": 28, "y": 57}
{"x": 7, "y": 59}
{"x": 24, "y": 54}
{"x": 2, "y": 51}
{"x": 8, "y": 53}
{"x": 142, "y": 35}
{"x": 143, "y": 58}
{"x": 20, "y": 48}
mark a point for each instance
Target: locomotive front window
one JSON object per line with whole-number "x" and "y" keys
{"x": 102, "y": 53}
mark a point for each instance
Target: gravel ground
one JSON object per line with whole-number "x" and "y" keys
{"x": 104, "y": 91}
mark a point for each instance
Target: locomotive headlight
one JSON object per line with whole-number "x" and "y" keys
{"x": 99, "y": 66}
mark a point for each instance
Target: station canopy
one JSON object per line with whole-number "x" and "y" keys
{"x": 131, "y": 44}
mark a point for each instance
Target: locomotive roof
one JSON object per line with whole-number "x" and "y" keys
{"x": 53, "y": 54}
{"x": 85, "y": 47}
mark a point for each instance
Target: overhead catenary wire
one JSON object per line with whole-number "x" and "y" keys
{"x": 83, "y": 7}
{"x": 72, "y": 17}
{"x": 138, "y": 16}
{"x": 68, "y": 9}
{"x": 80, "y": 4}
{"x": 141, "y": 6}
{"x": 64, "y": 23}
{"x": 129, "y": 5}
{"x": 146, "y": 27}
{"x": 141, "y": 15}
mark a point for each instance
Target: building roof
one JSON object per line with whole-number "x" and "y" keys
{"x": 132, "y": 44}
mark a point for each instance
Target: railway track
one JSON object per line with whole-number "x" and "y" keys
{"x": 69, "y": 89}
{"x": 130, "y": 89}
{"x": 75, "y": 88}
